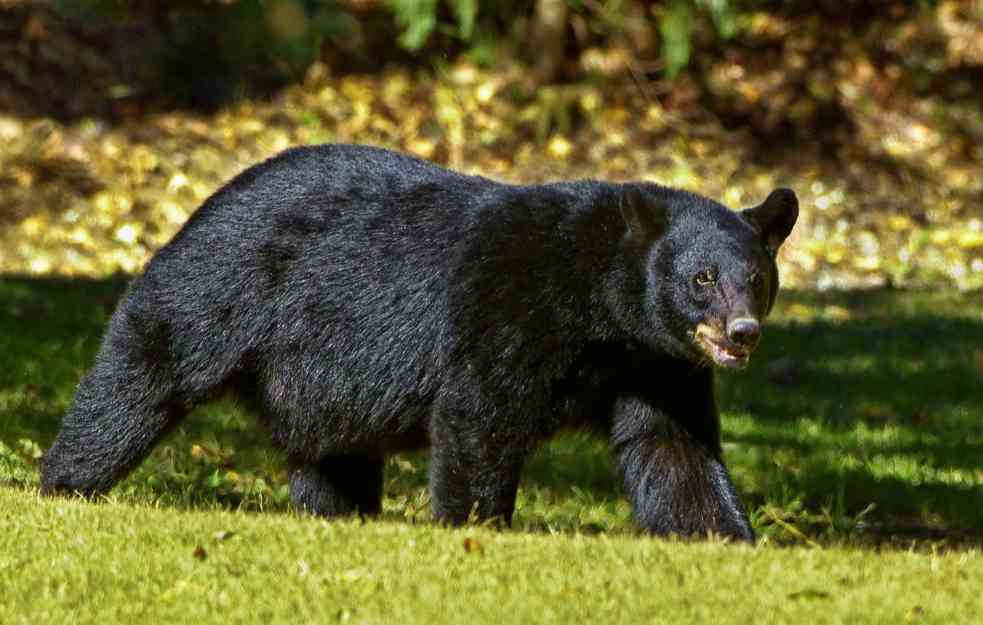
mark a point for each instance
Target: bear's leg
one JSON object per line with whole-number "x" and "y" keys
{"x": 338, "y": 486}
{"x": 473, "y": 473}
{"x": 674, "y": 473}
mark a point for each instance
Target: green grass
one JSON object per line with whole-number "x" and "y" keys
{"x": 73, "y": 562}
{"x": 854, "y": 437}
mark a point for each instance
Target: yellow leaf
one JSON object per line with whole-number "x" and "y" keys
{"x": 559, "y": 147}
{"x": 128, "y": 233}
{"x": 971, "y": 240}
{"x": 485, "y": 92}
{"x": 424, "y": 148}
{"x": 899, "y": 222}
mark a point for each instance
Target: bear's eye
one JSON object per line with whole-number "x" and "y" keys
{"x": 755, "y": 280}
{"x": 707, "y": 277}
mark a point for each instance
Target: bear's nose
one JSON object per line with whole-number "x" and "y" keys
{"x": 744, "y": 331}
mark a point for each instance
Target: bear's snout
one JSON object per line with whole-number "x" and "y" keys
{"x": 744, "y": 331}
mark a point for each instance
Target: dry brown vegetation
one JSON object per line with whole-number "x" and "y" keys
{"x": 876, "y": 122}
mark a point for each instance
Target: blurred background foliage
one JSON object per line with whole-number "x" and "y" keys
{"x": 118, "y": 117}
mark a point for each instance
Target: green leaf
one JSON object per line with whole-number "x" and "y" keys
{"x": 723, "y": 16}
{"x": 676, "y": 29}
{"x": 466, "y": 12}
{"x": 417, "y": 18}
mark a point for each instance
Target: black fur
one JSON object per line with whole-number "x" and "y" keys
{"x": 372, "y": 302}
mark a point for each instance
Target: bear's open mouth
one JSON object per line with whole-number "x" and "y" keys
{"x": 723, "y": 352}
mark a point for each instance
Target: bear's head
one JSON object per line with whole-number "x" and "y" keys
{"x": 704, "y": 277}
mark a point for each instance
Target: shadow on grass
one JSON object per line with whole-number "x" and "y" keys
{"x": 853, "y": 399}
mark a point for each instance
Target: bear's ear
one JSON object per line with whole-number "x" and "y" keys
{"x": 645, "y": 216}
{"x": 774, "y": 218}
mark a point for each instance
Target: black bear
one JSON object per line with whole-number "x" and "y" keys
{"x": 369, "y": 302}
